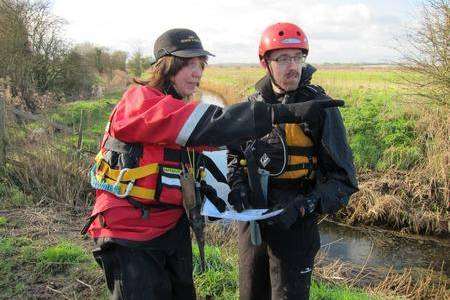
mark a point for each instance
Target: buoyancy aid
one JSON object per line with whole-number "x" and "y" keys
{"x": 137, "y": 171}
{"x": 117, "y": 171}
{"x": 287, "y": 153}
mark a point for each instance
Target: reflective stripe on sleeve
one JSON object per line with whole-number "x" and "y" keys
{"x": 191, "y": 122}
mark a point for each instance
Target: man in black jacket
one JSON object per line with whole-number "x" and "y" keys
{"x": 311, "y": 172}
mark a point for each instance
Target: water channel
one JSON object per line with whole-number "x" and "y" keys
{"x": 376, "y": 248}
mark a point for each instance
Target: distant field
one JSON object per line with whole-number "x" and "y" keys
{"x": 236, "y": 82}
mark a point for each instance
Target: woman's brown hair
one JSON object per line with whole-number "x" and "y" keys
{"x": 163, "y": 69}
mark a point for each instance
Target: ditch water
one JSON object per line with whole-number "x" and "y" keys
{"x": 383, "y": 249}
{"x": 375, "y": 248}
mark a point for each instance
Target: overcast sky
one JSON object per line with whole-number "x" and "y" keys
{"x": 338, "y": 31}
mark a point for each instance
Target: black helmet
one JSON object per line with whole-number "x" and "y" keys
{"x": 179, "y": 42}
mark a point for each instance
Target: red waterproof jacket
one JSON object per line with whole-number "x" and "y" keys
{"x": 161, "y": 122}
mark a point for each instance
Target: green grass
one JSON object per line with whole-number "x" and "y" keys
{"x": 10, "y": 248}
{"x": 95, "y": 117}
{"x": 61, "y": 256}
{"x": 380, "y": 133}
{"x": 26, "y": 264}
{"x": 327, "y": 292}
{"x": 221, "y": 276}
{"x": 3, "y": 221}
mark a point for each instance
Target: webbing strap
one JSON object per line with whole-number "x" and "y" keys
{"x": 146, "y": 195}
{"x": 105, "y": 169}
{"x": 302, "y": 166}
{"x": 116, "y": 145}
{"x": 300, "y": 151}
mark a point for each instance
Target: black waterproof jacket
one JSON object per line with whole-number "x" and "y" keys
{"x": 336, "y": 177}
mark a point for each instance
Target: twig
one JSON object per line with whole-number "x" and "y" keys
{"x": 84, "y": 283}
{"x": 58, "y": 292}
{"x": 355, "y": 280}
{"x": 331, "y": 243}
{"x": 321, "y": 220}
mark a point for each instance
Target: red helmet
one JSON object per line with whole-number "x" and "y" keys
{"x": 282, "y": 36}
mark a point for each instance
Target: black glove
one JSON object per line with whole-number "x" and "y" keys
{"x": 309, "y": 113}
{"x": 239, "y": 196}
{"x": 301, "y": 206}
{"x": 303, "y": 111}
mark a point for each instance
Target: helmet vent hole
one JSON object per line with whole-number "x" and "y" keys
{"x": 298, "y": 33}
{"x": 281, "y": 33}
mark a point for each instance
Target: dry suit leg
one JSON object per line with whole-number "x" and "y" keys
{"x": 134, "y": 273}
{"x": 281, "y": 267}
{"x": 254, "y": 281}
{"x": 291, "y": 258}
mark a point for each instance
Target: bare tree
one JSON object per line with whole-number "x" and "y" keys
{"x": 15, "y": 50}
{"x": 426, "y": 52}
{"x": 31, "y": 47}
{"x": 119, "y": 60}
{"x": 135, "y": 63}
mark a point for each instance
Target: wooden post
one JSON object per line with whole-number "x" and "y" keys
{"x": 80, "y": 135}
{"x": 3, "y": 137}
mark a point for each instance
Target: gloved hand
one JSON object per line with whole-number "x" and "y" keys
{"x": 239, "y": 196}
{"x": 299, "y": 207}
{"x": 311, "y": 113}
{"x": 303, "y": 111}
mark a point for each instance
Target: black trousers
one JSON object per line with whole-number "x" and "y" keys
{"x": 159, "y": 269}
{"x": 281, "y": 267}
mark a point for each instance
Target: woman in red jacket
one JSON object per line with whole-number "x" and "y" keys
{"x": 138, "y": 223}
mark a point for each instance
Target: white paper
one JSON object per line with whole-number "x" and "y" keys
{"x": 208, "y": 209}
{"x": 247, "y": 215}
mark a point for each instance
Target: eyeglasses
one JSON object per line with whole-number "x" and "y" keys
{"x": 284, "y": 60}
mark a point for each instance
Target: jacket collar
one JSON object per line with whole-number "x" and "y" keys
{"x": 169, "y": 89}
{"x": 264, "y": 85}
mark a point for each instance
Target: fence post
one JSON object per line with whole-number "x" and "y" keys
{"x": 80, "y": 135}
{"x": 3, "y": 137}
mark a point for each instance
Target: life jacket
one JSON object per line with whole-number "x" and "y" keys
{"x": 138, "y": 188}
{"x": 117, "y": 171}
{"x": 302, "y": 159}
{"x": 287, "y": 153}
